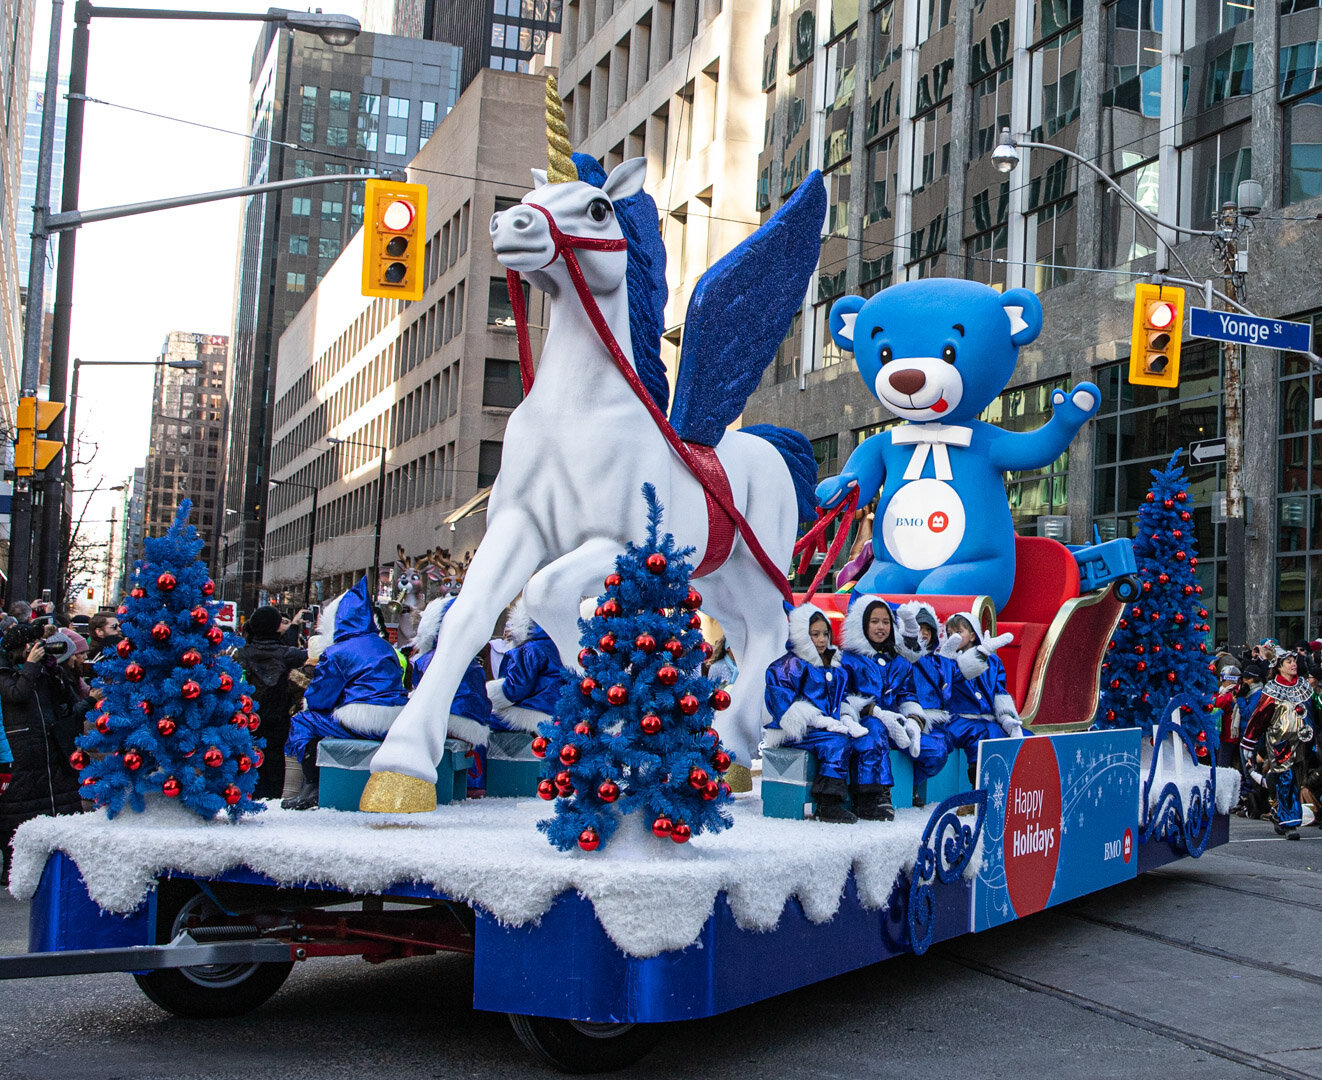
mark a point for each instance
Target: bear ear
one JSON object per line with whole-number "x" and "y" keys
{"x": 1024, "y": 310}
{"x": 843, "y": 313}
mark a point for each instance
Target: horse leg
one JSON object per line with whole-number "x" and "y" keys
{"x": 553, "y": 594}
{"x": 403, "y": 776}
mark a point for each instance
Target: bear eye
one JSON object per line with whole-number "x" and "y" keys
{"x": 885, "y": 355}
{"x": 948, "y": 354}
{"x": 598, "y": 209}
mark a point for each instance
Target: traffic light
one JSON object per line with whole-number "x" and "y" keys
{"x": 31, "y": 454}
{"x": 395, "y": 225}
{"x": 1154, "y": 350}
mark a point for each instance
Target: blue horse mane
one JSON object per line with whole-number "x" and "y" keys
{"x": 645, "y": 279}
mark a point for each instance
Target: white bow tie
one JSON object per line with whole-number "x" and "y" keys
{"x": 933, "y": 439}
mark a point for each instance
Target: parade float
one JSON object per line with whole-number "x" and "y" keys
{"x": 665, "y": 892}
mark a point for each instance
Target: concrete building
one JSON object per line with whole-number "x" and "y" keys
{"x": 679, "y": 83}
{"x": 366, "y": 107}
{"x": 901, "y": 103}
{"x": 187, "y": 436}
{"x": 432, "y": 381}
{"x": 135, "y": 517}
{"x": 16, "y": 31}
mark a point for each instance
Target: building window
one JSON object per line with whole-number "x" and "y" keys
{"x": 399, "y": 107}
{"x": 328, "y": 247}
{"x": 397, "y": 145}
{"x": 502, "y": 387}
{"x": 296, "y": 283}
{"x": 826, "y": 452}
{"x": 1302, "y": 165}
{"x": 1298, "y": 604}
{"x": 428, "y": 119}
{"x": 300, "y": 206}
{"x": 488, "y": 463}
{"x": 337, "y": 135}
{"x": 1039, "y": 491}
{"x": 1210, "y": 172}
{"x": 499, "y": 310}
{"x": 1229, "y": 74}
{"x": 298, "y": 245}
{"x": 331, "y": 210}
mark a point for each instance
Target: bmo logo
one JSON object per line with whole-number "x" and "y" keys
{"x": 1119, "y": 849}
{"x": 1032, "y": 827}
{"x": 938, "y": 522}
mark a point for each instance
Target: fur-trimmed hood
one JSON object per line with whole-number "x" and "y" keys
{"x": 924, "y": 615}
{"x": 519, "y": 624}
{"x": 800, "y": 644}
{"x": 429, "y": 626}
{"x": 319, "y": 642}
{"x": 855, "y": 638}
{"x": 950, "y": 645}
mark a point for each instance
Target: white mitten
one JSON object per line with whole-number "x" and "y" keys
{"x": 829, "y": 723}
{"x": 853, "y": 728}
{"x": 971, "y": 662}
{"x": 915, "y": 732}
{"x": 991, "y": 644}
{"x": 908, "y": 621}
{"x": 1011, "y": 725}
{"x": 895, "y": 728}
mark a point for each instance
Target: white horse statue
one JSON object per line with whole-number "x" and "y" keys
{"x": 582, "y": 444}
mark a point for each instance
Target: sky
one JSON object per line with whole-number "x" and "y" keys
{"x": 139, "y": 278}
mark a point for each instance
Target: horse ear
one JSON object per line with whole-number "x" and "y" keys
{"x": 538, "y": 178}
{"x": 626, "y": 179}
{"x": 843, "y": 313}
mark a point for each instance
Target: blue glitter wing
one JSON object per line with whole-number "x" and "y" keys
{"x": 740, "y": 312}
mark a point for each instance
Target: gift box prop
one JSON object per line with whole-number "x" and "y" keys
{"x": 346, "y": 764}
{"x": 512, "y": 768}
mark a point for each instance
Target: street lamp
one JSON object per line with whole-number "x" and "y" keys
{"x": 312, "y": 532}
{"x": 380, "y": 502}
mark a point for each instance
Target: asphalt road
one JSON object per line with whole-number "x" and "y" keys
{"x": 1208, "y": 968}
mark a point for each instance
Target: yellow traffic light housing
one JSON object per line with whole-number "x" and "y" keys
{"x": 1154, "y": 349}
{"x": 395, "y": 229}
{"x": 31, "y": 454}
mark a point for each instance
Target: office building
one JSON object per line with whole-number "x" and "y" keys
{"x": 16, "y": 32}
{"x": 135, "y": 517}
{"x": 316, "y": 110}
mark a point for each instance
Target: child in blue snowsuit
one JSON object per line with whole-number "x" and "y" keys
{"x": 883, "y": 679}
{"x": 807, "y": 696}
{"x": 470, "y": 711}
{"x": 526, "y": 689}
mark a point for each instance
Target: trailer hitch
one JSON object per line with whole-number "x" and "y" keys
{"x": 191, "y": 948}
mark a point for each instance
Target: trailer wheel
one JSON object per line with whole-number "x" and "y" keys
{"x": 1126, "y": 589}
{"x": 574, "y": 1046}
{"x": 208, "y": 991}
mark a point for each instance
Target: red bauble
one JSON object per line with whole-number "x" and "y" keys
{"x": 1146, "y": 696}
{"x": 166, "y": 726}
{"x": 656, "y": 563}
{"x": 137, "y": 592}
{"x": 208, "y": 588}
{"x": 166, "y": 582}
{"x": 254, "y": 722}
{"x": 586, "y": 685}
{"x": 680, "y": 833}
{"x": 190, "y": 691}
{"x": 710, "y": 790}
{"x": 597, "y": 612}
{"x": 608, "y": 791}
{"x": 720, "y": 700}
{"x": 546, "y": 790}
{"x": 607, "y": 643}
{"x": 1178, "y": 647}
{"x": 79, "y": 760}
{"x": 695, "y": 621}
{"x": 1115, "y": 684}
{"x": 710, "y": 733}
{"x": 132, "y": 760}
{"x": 1180, "y": 556}
{"x": 539, "y": 746}
{"x": 651, "y": 724}
{"x": 1179, "y": 617}
{"x": 1110, "y": 715}
{"x": 1151, "y": 497}
{"x": 610, "y": 608}
{"x": 239, "y": 720}
{"x": 160, "y": 632}
{"x": 124, "y": 648}
{"x": 199, "y": 614}
{"x": 564, "y": 781}
{"x": 584, "y": 655}
{"x": 588, "y": 840}
{"x": 1185, "y": 515}
{"x": 1188, "y": 590}
{"x": 172, "y": 788}
{"x": 244, "y": 763}
{"x": 1155, "y": 616}
{"x": 697, "y": 777}
{"x": 215, "y": 635}
{"x": 721, "y": 761}
{"x": 226, "y": 683}
{"x": 245, "y": 703}
{"x": 1193, "y": 563}
{"x": 582, "y": 728}
{"x": 667, "y": 675}
{"x": 1147, "y": 586}
{"x": 231, "y": 794}
{"x": 1169, "y": 504}
{"x": 145, "y": 706}
{"x": 1142, "y": 665}
{"x": 569, "y": 754}
{"x": 257, "y": 758}
{"x": 1124, "y": 624}
{"x": 1180, "y": 496}
{"x": 688, "y": 704}
{"x": 1136, "y": 611}
{"x": 135, "y": 673}
{"x": 88, "y": 781}
{"x": 707, "y": 650}
{"x": 1170, "y": 676}
{"x": 213, "y": 758}
{"x": 674, "y": 648}
{"x": 617, "y": 695}
{"x": 1202, "y": 612}
{"x": 661, "y": 827}
{"x": 1163, "y": 578}
{"x": 121, "y": 610}
{"x": 1202, "y": 646}
{"x": 613, "y": 581}
{"x": 1156, "y": 648}
{"x": 693, "y": 600}
{"x": 1178, "y": 534}
{"x": 645, "y": 643}
{"x": 191, "y": 658}
{"x": 1137, "y": 648}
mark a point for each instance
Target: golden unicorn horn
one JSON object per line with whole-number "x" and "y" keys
{"x": 560, "y": 163}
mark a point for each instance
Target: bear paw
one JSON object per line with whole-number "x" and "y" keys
{"x": 1078, "y": 404}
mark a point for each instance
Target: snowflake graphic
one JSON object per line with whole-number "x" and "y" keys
{"x": 998, "y": 795}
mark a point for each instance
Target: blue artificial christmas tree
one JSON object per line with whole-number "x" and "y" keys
{"x": 634, "y": 735}
{"x": 1159, "y": 648}
{"x": 177, "y": 721}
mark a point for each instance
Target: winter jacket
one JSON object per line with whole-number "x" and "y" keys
{"x": 267, "y": 664}
{"x": 884, "y": 677}
{"x": 530, "y": 677}
{"x": 802, "y": 690}
{"x": 470, "y": 711}
{"x": 36, "y": 721}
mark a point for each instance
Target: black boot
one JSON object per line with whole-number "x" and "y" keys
{"x": 308, "y": 794}
{"x": 832, "y": 808}
{"x": 874, "y": 804}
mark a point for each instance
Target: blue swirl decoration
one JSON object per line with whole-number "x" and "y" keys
{"x": 948, "y": 845}
{"x": 1187, "y": 828}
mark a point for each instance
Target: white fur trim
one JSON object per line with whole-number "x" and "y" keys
{"x": 796, "y": 722}
{"x": 363, "y": 718}
{"x": 518, "y": 717}
{"x": 971, "y": 662}
{"x": 496, "y": 695}
{"x": 429, "y": 626}
{"x": 325, "y": 634}
{"x": 911, "y": 708}
{"x": 473, "y": 733}
{"x": 519, "y": 622}
{"x": 1003, "y": 705}
{"x": 858, "y": 703}
{"x": 895, "y": 729}
{"x": 800, "y": 643}
{"x": 937, "y": 716}
{"x": 854, "y": 639}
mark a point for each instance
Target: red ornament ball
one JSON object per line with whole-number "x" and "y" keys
{"x": 667, "y": 675}
{"x": 1115, "y": 684}
{"x": 239, "y": 720}
{"x": 564, "y": 781}
{"x": 539, "y": 746}
{"x": 1180, "y": 496}
{"x": 1169, "y": 504}
{"x": 1178, "y": 534}
{"x": 1185, "y": 515}
{"x": 608, "y": 791}
{"x": 1147, "y": 586}
{"x": 226, "y": 683}
{"x": 610, "y": 608}
{"x": 707, "y": 650}
{"x": 1179, "y": 617}
{"x": 1193, "y": 563}
{"x": 720, "y": 700}
{"x": 191, "y": 658}
{"x": 1180, "y": 556}
{"x": 1151, "y": 497}
{"x": 1136, "y": 611}
{"x": 1124, "y": 624}
{"x": 1170, "y": 676}
{"x": 583, "y": 728}
{"x": 166, "y": 726}
{"x": 137, "y": 592}
{"x": 697, "y": 777}
{"x": 121, "y": 610}
{"x": 584, "y": 655}
{"x": 586, "y": 685}
{"x": 1163, "y": 578}
{"x": 215, "y": 635}
{"x": 160, "y": 633}
{"x": 710, "y": 790}
{"x": 213, "y": 758}
{"x": 1137, "y": 648}
{"x": 674, "y": 648}
{"x": 257, "y": 758}
{"x": 145, "y": 706}
{"x": 190, "y": 691}
{"x": 607, "y": 643}
{"x": 710, "y": 733}
{"x": 569, "y": 754}
{"x": 132, "y": 760}
{"x": 617, "y": 695}
{"x": 124, "y": 648}
{"x": 588, "y": 840}
{"x": 1188, "y": 590}
{"x": 172, "y": 788}
{"x": 680, "y": 833}
{"x": 651, "y": 724}
{"x": 662, "y": 827}
{"x": 199, "y": 614}
{"x": 231, "y": 794}
{"x": 1178, "y": 647}
{"x": 79, "y": 760}
{"x": 721, "y": 761}
{"x": 693, "y": 600}
{"x": 614, "y": 581}
{"x": 1142, "y": 665}
{"x": 646, "y": 643}
{"x": 546, "y": 790}
{"x": 245, "y": 703}
{"x": 1110, "y": 715}
{"x": 135, "y": 673}
{"x": 1155, "y": 616}
{"x": 695, "y": 621}
{"x": 244, "y": 763}
{"x": 88, "y": 781}
{"x": 656, "y": 563}
{"x": 688, "y": 704}
{"x": 254, "y": 722}
{"x": 208, "y": 588}
{"x": 166, "y": 582}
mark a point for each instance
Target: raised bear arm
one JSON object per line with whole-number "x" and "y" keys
{"x": 1036, "y": 449}
{"x": 865, "y": 467}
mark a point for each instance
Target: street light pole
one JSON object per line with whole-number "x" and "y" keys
{"x": 312, "y": 532}
{"x": 380, "y": 503}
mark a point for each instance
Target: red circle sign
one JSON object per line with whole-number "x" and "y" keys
{"x": 938, "y": 522}
{"x": 1128, "y": 849}
{"x": 1032, "y": 826}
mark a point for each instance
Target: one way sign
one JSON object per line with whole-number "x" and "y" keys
{"x": 1204, "y": 453}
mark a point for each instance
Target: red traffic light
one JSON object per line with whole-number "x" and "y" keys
{"x": 398, "y": 215}
{"x": 1161, "y": 315}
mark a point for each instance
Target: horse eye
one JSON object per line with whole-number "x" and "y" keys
{"x": 948, "y": 354}
{"x": 599, "y": 210}
{"x": 885, "y": 355}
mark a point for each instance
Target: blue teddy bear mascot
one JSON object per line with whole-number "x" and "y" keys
{"x": 936, "y": 353}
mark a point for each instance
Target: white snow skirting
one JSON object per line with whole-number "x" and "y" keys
{"x": 1191, "y": 777}
{"x": 650, "y": 896}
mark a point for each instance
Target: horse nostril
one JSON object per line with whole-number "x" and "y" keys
{"x": 523, "y": 221}
{"x": 907, "y": 381}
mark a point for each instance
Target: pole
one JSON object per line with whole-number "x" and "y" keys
{"x": 312, "y": 539}
{"x": 1235, "y": 628}
{"x": 380, "y": 518}
{"x": 66, "y": 528}
{"x": 110, "y": 556}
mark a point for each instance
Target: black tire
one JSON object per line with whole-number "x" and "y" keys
{"x": 210, "y": 991}
{"x": 574, "y": 1046}
{"x": 1126, "y": 589}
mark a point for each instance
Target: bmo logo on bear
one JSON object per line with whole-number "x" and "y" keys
{"x": 1062, "y": 814}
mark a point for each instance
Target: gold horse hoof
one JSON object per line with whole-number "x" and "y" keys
{"x": 739, "y": 778}
{"x": 397, "y": 793}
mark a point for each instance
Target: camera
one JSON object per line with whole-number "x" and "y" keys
{"x": 57, "y": 646}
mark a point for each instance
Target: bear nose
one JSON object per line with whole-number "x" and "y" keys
{"x": 908, "y": 381}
